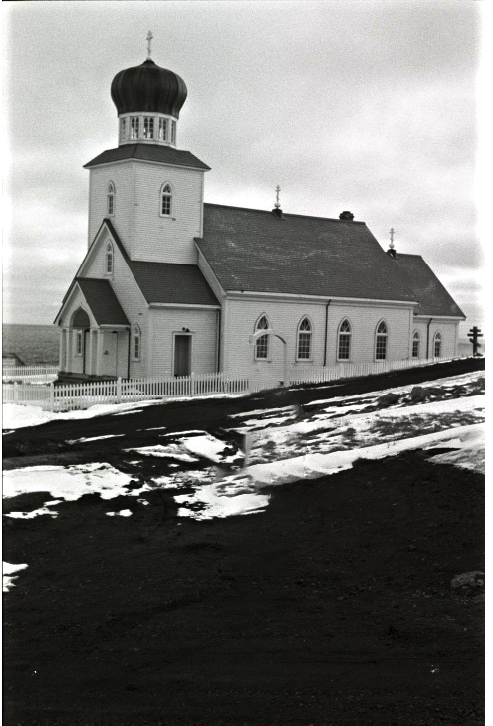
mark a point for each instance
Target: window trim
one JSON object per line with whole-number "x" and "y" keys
{"x": 110, "y": 250}
{"x": 170, "y": 196}
{"x": 416, "y": 338}
{"x": 382, "y": 335}
{"x": 136, "y": 336}
{"x": 308, "y": 332}
{"x": 437, "y": 338}
{"x": 111, "y": 199}
{"x": 350, "y": 334}
{"x": 79, "y": 342}
{"x": 256, "y": 329}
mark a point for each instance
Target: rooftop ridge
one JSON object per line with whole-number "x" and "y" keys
{"x": 284, "y": 214}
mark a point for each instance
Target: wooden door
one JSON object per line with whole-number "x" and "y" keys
{"x": 182, "y": 358}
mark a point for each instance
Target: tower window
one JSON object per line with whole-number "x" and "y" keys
{"x": 134, "y": 127}
{"x": 166, "y": 199}
{"x": 415, "y": 348}
{"x": 344, "y": 341}
{"x": 262, "y": 343}
{"x": 109, "y": 259}
{"x": 123, "y": 129}
{"x": 148, "y": 127}
{"x": 111, "y": 199}
{"x": 163, "y": 129}
{"x": 304, "y": 347}
{"x": 136, "y": 342}
{"x": 173, "y": 132}
{"x": 381, "y": 341}
{"x": 437, "y": 345}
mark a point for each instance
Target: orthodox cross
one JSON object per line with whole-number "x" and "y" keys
{"x": 277, "y": 204}
{"x": 149, "y": 37}
{"x": 392, "y": 232}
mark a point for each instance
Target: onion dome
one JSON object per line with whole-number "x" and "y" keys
{"x": 148, "y": 88}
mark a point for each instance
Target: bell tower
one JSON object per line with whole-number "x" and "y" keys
{"x": 151, "y": 191}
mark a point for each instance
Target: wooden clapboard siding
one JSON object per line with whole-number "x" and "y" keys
{"x": 167, "y": 321}
{"x": 448, "y": 330}
{"x": 122, "y": 175}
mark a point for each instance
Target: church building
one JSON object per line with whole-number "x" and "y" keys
{"x": 171, "y": 285}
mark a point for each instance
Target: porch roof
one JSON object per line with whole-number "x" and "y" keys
{"x": 102, "y": 300}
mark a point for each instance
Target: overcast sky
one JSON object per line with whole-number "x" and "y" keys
{"x": 366, "y": 106}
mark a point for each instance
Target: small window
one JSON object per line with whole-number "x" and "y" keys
{"x": 381, "y": 341}
{"x": 262, "y": 343}
{"x": 123, "y": 129}
{"x": 78, "y": 342}
{"x": 344, "y": 341}
{"x": 166, "y": 198}
{"x": 416, "y": 342}
{"x": 304, "y": 347}
{"x": 111, "y": 199}
{"x": 134, "y": 127}
{"x": 148, "y": 127}
{"x": 136, "y": 342}
{"x": 109, "y": 259}
{"x": 173, "y": 132}
{"x": 437, "y": 345}
{"x": 163, "y": 129}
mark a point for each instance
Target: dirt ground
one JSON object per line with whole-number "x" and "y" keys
{"x": 331, "y": 608}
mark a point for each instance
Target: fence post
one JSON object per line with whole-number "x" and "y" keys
{"x": 52, "y": 396}
{"x": 192, "y": 384}
{"x": 16, "y": 392}
{"x": 119, "y": 390}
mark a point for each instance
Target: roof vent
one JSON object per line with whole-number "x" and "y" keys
{"x": 347, "y": 215}
{"x": 392, "y": 253}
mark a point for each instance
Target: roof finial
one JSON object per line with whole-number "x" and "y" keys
{"x": 149, "y": 37}
{"x": 277, "y": 204}
{"x": 392, "y": 232}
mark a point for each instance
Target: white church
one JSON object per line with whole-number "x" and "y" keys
{"x": 171, "y": 285}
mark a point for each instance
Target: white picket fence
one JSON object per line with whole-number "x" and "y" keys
{"x": 73, "y": 396}
{"x": 324, "y": 374}
{"x": 30, "y": 374}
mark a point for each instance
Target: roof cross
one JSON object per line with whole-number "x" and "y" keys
{"x": 277, "y": 204}
{"x": 392, "y": 232}
{"x": 149, "y": 37}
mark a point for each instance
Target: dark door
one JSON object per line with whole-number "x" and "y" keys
{"x": 182, "y": 362}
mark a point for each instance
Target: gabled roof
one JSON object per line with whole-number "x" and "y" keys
{"x": 158, "y": 282}
{"x": 173, "y": 284}
{"x": 102, "y": 300}
{"x": 148, "y": 152}
{"x": 432, "y": 296}
{"x": 254, "y": 250}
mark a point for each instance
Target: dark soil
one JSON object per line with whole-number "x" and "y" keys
{"x": 332, "y": 608}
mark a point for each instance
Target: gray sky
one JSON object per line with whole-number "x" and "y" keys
{"x": 367, "y": 106}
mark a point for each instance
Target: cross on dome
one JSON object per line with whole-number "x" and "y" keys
{"x": 149, "y": 37}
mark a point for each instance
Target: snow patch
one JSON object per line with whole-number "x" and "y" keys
{"x": 121, "y": 513}
{"x": 8, "y": 575}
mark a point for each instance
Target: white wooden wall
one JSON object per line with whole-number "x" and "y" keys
{"x": 145, "y": 234}
{"x": 167, "y": 321}
{"x": 240, "y": 316}
{"x": 448, "y": 330}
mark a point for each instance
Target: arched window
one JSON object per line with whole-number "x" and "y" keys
{"x": 111, "y": 199}
{"x": 262, "y": 343}
{"x": 135, "y": 342}
{"x": 381, "y": 341}
{"x": 134, "y": 127}
{"x": 416, "y": 342}
{"x": 304, "y": 346}
{"x": 148, "y": 127}
{"x": 437, "y": 345}
{"x": 166, "y": 199}
{"x": 163, "y": 129}
{"x": 173, "y": 132}
{"x": 109, "y": 259}
{"x": 344, "y": 341}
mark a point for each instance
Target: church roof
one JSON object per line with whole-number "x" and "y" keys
{"x": 254, "y": 250}
{"x": 148, "y": 152}
{"x": 432, "y": 296}
{"x": 160, "y": 282}
{"x": 102, "y": 300}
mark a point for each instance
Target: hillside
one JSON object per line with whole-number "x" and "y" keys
{"x": 287, "y": 558}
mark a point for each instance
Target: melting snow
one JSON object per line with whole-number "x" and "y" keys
{"x": 121, "y": 513}
{"x": 171, "y": 451}
{"x": 8, "y": 576}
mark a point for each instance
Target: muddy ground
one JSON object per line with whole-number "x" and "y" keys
{"x": 333, "y": 607}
